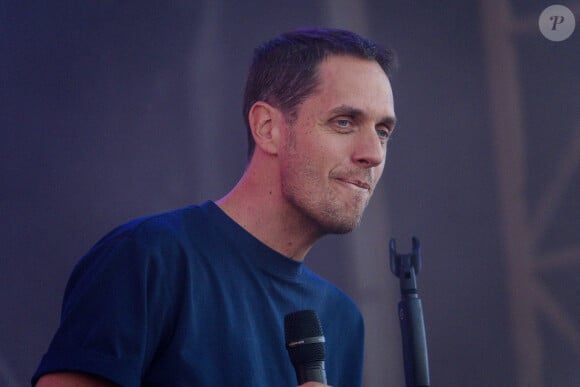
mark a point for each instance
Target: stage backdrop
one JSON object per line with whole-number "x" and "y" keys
{"x": 111, "y": 110}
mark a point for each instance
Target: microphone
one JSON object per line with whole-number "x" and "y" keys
{"x": 305, "y": 345}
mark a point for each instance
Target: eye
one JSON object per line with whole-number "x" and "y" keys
{"x": 343, "y": 123}
{"x": 383, "y": 133}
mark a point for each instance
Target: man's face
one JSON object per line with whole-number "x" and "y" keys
{"x": 333, "y": 154}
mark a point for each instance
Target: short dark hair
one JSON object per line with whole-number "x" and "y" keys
{"x": 284, "y": 69}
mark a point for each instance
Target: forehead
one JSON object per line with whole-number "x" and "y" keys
{"x": 352, "y": 81}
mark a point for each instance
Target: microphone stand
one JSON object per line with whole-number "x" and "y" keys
{"x": 406, "y": 267}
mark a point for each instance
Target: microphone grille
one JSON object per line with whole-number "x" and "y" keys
{"x": 301, "y": 325}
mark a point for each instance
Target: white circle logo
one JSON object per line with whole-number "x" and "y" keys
{"x": 557, "y": 23}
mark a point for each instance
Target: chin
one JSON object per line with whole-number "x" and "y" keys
{"x": 340, "y": 225}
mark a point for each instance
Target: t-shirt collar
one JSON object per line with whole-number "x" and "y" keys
{"x": 250, "y": 247}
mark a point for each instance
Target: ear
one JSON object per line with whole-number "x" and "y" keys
{"x": 265, "y": 121}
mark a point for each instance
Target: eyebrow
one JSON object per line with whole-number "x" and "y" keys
{"x": 346, "y": 110}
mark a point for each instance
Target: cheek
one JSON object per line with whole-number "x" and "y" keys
{"x": 328, "y": 148}
{"x": 318, "y": 160}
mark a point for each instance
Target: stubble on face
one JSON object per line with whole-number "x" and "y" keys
{"x": 328, "y": 173}
{"x": 311, "y": 195}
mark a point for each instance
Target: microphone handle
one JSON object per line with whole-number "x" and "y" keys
{"x": 310, "y": 372}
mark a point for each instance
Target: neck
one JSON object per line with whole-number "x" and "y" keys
{"x": 256, "y": 203}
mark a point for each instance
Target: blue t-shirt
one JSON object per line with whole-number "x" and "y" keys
{"x": 189, "y": 298}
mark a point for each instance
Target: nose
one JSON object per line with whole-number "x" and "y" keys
{"x": 369, "y": 151}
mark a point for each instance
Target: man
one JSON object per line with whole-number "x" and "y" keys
{"x": 197, "y": 296}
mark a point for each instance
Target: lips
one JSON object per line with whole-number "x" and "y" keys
{"x": 356, "y": 182}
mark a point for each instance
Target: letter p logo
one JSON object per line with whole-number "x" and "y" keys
{"x": 556, "y": 20}
{"x": 557, "y": 23}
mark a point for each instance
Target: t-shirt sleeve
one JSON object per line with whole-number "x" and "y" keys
{"x": 115, "y": 312}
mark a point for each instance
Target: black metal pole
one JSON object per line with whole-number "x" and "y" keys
{"x": 407, "y": 267}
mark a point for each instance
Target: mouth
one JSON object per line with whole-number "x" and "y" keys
{"x": 356, "y": 183}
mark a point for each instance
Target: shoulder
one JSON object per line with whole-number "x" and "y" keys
{"x": 334, "y": 301}
{"x": 331, "y": 292}
{"x": 154, "y": 242}
{"x": 146, "y": 254}
{"x": 157, "y": 233}
{"x": 157, "y": 226}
